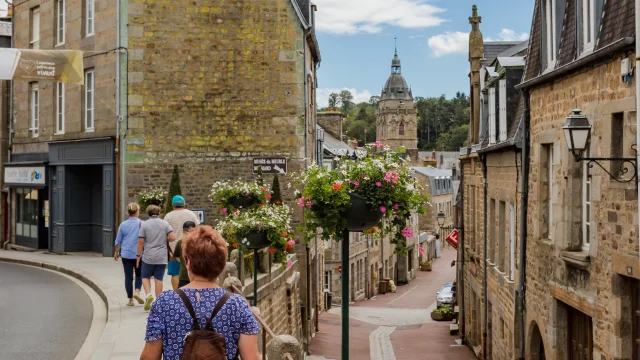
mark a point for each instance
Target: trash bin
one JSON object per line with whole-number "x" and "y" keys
{"x": 328, "y": 297}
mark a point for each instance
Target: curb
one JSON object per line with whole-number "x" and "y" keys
{"x": 107, "y": 341}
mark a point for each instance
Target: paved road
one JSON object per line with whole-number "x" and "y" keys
{"x": 43, "y": 315}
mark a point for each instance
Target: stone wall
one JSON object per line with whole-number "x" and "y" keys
{"x": 331, "y": 122}
{"x": 561, "y": 273}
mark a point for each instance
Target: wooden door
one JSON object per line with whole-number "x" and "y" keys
{"x": 580, "y": 335}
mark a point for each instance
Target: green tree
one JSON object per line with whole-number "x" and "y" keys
{"x": 374, "y": 101}
{"x": 334, "y": 100}
{"x": 454, "y": 139}
{"x": 346, "y": 99}
{"x": 260, "y": 177}
{"x": 276, "y": 196}
{"x": 174, "y": 188}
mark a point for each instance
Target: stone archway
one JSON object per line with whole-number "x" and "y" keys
{"x": 536, "y": 344}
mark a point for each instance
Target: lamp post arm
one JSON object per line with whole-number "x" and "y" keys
{"x": 626, "y": 164}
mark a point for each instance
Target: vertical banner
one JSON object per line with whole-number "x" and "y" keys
{"x": 63, "y": 66}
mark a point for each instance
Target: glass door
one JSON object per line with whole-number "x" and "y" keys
{"x": 27, "y": 217}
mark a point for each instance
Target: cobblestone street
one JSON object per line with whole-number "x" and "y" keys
{"x": 395, "y": 326}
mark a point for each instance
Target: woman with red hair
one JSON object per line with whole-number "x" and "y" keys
{"x": 205, "y": 254}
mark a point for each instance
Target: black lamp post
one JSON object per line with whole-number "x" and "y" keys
{"x": 577, "y": 133}
{"x": 440, "y": 218}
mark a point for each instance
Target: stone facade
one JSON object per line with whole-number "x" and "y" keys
{"x": 331, "y": 122}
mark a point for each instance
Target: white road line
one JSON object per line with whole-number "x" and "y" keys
{"x": 380, "y": 346}
{"x": 386, "y": 345}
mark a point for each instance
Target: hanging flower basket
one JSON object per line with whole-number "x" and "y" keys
{"x": 254, "y": 240}
{"x": 231, "y": 195}
{"x": 377, "y": 189}
{"x": 155, "y": 196}
{"x": 243, "y": 201}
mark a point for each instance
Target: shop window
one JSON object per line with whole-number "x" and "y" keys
{"x": 580, "y": 341}
{"x": 27, "y": 213}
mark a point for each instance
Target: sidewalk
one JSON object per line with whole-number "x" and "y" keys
{"x": 123, "y": 337}
{"x": 396, "y": 326}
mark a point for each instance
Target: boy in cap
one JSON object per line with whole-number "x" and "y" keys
{"x": 188, "y": 227}
{"x": 176, "y": 218}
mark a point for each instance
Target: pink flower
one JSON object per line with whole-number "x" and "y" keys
{"x": 301, "y": 202}
{"x": 356, "y": 183}
{"x": 224, "y": 210}
{"x": 395, "y": 207}
{"x": 291, "y": 242}
{"x": 407, "y": 232}
{"x": 378, "y": 144}
{"x": 421, "y": 250}
{"x": 308, "y": 203}
{"x": 222, "y": 199}
{"x": 391, "y": 176}
{"x": 289, "y": 263}
{"x": 364, "y": 176}
{"x": 378, "y": 184}
{"x": 383, "y": 209}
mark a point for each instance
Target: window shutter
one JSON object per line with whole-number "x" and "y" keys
{"x": 503, "y": 110}
{"x": 492, "y": 115}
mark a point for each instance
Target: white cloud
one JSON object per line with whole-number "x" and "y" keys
{"x": 510, "y": 35}
{"x": 3, "y": 7}
{"x": 370, "y": 16}
{"x": 322, "y": 95}
{"x": 449, "y": 43}
{"x": 458, "y": 42}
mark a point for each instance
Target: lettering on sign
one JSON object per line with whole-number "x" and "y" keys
{"x": 33, "y": 175}
{"x": 270, "y": 165}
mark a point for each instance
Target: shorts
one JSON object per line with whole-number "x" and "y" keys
{"x": 151, "y": 270}
{"x": 173, "y": 268}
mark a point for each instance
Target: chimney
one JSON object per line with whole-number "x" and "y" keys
{"x": 454, "y": 173}
{"x": 433, "y": 155}
{"x": 441, "y": 161}
{"x": 9, "y": 10}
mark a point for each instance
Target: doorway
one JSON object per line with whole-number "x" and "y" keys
{"x": 84, "y": 207}
{"x": 536, "y": 345}
{"x": 31, "y": 226}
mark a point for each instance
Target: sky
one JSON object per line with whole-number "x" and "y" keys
{"x": 356, "y": 39}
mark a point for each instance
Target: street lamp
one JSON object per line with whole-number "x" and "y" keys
{"x": 440, "y": 218}
{"x": 577, "y": 132}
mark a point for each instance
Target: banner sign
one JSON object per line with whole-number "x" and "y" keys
{"x": 453, "y": 238}
{"x": 63, "y": 66}
{"x": 28, "y": 175}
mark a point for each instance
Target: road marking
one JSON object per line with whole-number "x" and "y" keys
{"x": 403, "y": 295}
{"x": 380, "y": 346}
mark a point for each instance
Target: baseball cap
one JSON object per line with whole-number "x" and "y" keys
{"x": 177, "y": 201}
{"x": 188, "y": 225}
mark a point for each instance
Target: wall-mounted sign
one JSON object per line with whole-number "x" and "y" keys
{"x": 270, "y": 165}
{"x": 200, "y": 214}
{"x": 28, "y": 175}
{"x": 37, "y": 65}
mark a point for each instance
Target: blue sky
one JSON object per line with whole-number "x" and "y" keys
{"x": 357, "y": 37}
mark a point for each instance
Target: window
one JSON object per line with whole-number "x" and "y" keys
{"x": 60, "y": 108}
{"x": 34, "y": 42}
{"x": 401, "y": 129}
{"x": 472, "y": 203}
{"x": 588, "y": 25}
{"x": 502, "y": 237}
{"x": 26, "y": 213}
{"x": 59, "y": 22}
{"x": 492, "y": 115}
{"x": 89, "y": 90}
{"x": 512, "y": 241}
{"x": 546, "y": 191}
{"x": 503, "y": 109}
{"x": 551, "y": 32}
{"x": 580, "y": 341}
{"x": 35, "y": 110}
{"x": 491, "y": 225}
{"x": 617, "y": 142}
{"x": 586, "y": 204}
{"x": 89, "y": 26}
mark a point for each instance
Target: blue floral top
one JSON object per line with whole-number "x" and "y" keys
{"x": 169, "y": 320}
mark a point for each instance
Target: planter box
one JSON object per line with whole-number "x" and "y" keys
{"x": 426, "y": 267}
{"x": 440, "y": 316}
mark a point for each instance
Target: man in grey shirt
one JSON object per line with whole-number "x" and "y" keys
{"x": 152, "y": 245}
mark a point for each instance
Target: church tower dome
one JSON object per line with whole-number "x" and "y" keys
{"x": 396, "y": 87}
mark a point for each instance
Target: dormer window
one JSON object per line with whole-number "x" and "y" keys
{"x": 589, "y": 15}
{"x": 551, "y": 27}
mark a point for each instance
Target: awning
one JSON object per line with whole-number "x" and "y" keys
{"x": 63, "y": 66}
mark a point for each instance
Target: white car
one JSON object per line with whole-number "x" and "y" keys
{"x": 445, "y": 296}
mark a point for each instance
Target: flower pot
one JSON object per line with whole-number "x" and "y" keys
{"x": 425, "y": 267}
{"x": 437, "y": 316}
{"x": 155, "y": 202}
{"x": 254, "y": 240}
{"x": 359, "y": 216}
{"x": 241, "y": 201}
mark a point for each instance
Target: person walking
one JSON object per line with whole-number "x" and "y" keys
{"x": 153, "y": 249}
{"x": 175, "y": 315}
{"x": 187, "y": 227}
{"x": 176, "y": 218}
{"x": 126, "y": 245}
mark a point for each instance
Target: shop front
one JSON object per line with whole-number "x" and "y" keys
{"x": 29, "y": 196}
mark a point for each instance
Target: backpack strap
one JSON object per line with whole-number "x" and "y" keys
{"x": 192, "y": 312}
{"x": 217, "y": 309}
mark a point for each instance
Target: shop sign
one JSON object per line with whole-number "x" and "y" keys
{"x": 29, "y": 175}
{"x": 270, "y": 165}
{"x": 453, "y": 238}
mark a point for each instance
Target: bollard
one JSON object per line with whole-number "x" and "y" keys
{"x": 284, "y": 344}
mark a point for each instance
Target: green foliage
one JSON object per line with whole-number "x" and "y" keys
{"x": 276, "y": 196}
{"x": 334, "y": 100}
{"x": 260, "y": 177}
{"x": 224, "y": 192}
{"x": 346, "y": 101}
{"x": 446, "y": 309}
{"x": 439, "y": 116}
{"x": 156, "y": 196}
{"x": 454, "y": 139}
{"x": 174, "y": 189}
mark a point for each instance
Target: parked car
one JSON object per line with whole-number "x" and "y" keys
{"x": 446, "y": 295}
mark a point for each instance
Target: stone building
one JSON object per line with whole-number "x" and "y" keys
{"x": 582, "y": 269}
{"x": 207, "y": 86}
{"x": 5, "y": 107}
{"x": 491, "y": 192}
{"x": 397, "y": 119}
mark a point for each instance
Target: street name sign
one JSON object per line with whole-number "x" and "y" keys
{"x": 270, "y": 165}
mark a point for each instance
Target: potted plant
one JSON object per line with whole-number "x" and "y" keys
{"x": 426, "y": 266}
{"x": 231, "y": 195}
{"x": 265, "y": 226}
{"x": 358, "y": 194}
{"x": 156, "y": 196}
{"x": 444, "y": 313}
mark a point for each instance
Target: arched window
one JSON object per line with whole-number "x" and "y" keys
{"x": 401, "y": 129}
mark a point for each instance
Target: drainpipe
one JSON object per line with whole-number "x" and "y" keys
{"x": 122, "y": 58}
{"x": 637, "y": 95}
{"x": 524, "y": 198}
{"x": 461, "y": 261}
{"x": 319, "y": 161}
{"x": 9, "y": 221}
{"x": 484, "y": 262}
{"x": 306, "y": 165}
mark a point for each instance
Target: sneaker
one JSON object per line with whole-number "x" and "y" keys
{"x": 138, "y": 299}
{"x": 130, "y": 304}
{"x": 147, "y": 304}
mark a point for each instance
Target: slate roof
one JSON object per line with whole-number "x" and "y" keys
{"x": 305, "y": 7}
{"x": 333, "y": 145}
{"x": 515, "y": 50}
{"x": 617, "y": 22}
{"x": 493, "y": 48}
